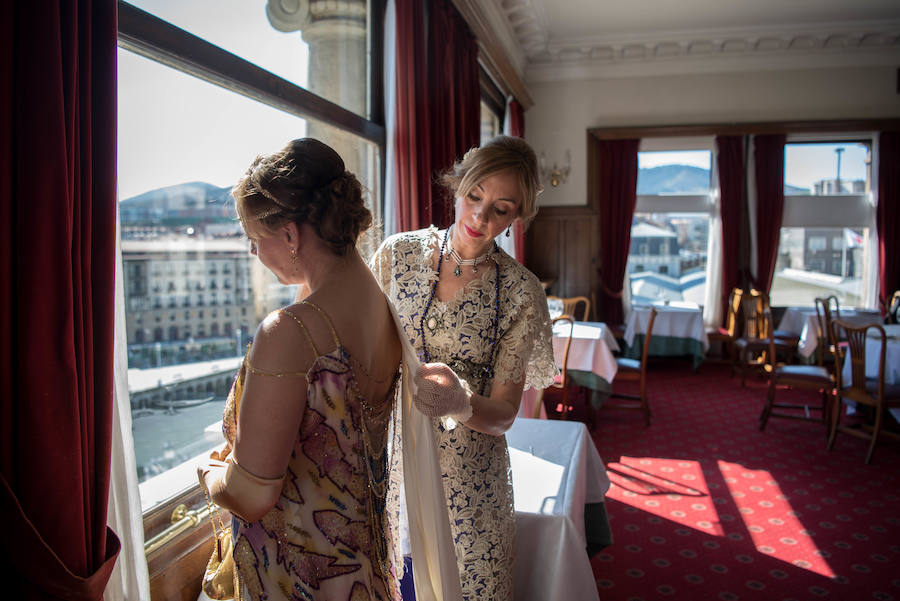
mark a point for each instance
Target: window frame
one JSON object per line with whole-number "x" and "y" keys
{"x": 156, "y": 39}
{"x": 833, "y": 210}
{"x": 695, "y": 204}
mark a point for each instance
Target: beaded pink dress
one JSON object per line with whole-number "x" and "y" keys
{"x": 327, "y": 538}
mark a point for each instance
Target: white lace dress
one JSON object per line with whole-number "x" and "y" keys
{"x": 474, "y": 466}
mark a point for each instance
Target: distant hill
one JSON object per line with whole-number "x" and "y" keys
{"x": 673, "y": 179}
{"x": 180, "y": 196}
{"x": 181, "y": 203}
{"x": 684, "y": 179}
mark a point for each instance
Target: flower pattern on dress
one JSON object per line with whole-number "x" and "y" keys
{"x": 325, "y": 538}
{"x": 475, "y": 466}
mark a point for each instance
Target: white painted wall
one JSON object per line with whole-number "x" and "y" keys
{"x": 564, "y": 111}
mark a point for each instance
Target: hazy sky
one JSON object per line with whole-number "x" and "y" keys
{"x": 804, "y": 163}
{"x": 174, "y": 128}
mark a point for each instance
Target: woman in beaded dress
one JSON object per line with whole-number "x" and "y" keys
{"x": 307, "y": 419}
{"x": 479, "y": 321}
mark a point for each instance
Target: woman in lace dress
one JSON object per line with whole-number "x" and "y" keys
{"x": 307, "y": 419}
{"x": 479, "y": 321}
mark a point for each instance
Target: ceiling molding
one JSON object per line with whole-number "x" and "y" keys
{"x": 794, "y": 46}
{"x": 498, "y": 47}
{"x": 782, "y": 59}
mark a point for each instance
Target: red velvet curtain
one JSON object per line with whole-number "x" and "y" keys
{"x": 888, "y": 214}
{"x": 615, "y": 185}
{"x": 411, "y": 140}
{"x": 516, "y": 118}
{"x": 768, "y": 156}
{"x": 730, "y": 164}
{"x": 455, "y": 98}
{"x": 57, "y": 259}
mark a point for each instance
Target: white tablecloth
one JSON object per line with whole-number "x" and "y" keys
{"x": 873, "y": 353}
{"x": 803, "y": 322}
{"x": 591, "y": 351}
{"x": 675, "y": 320}
{"x": 556, "y": 470}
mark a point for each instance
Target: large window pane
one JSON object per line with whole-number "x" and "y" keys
{"x": 820, "y": 169}
{"x": 490, "y": 123}
{"x": 193, "y": 293}
{"x": 325, "y": 52}
{"x": 674, "y": 172}
{"x": 667, "y": 259}
{"x": 827, "y": 218}
{"x": 819, "y": 262}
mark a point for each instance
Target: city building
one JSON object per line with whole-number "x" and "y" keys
{"x": 654, "y": 248}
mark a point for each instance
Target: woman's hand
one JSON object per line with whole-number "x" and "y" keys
{"x": 441, "y": 392}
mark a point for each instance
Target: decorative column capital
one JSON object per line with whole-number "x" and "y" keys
{"x": 317, "y": 19}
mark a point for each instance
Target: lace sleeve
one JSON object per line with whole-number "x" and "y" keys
{"x": 527, "y": 346}
{"x": 381, "y": 263}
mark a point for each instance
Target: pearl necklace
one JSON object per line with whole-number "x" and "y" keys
{"x": 487, "y": 370}
{"x": 473, "y": 262}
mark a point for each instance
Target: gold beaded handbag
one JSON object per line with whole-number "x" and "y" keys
{"x": 220, "y": 579}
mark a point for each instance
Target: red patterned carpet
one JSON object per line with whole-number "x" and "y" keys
{"x": 705, "y": 506}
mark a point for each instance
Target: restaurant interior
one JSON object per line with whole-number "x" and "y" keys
{"x": 718, "y": 239}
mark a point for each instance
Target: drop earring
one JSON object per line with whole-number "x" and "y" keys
{"x": 507, "y": 231}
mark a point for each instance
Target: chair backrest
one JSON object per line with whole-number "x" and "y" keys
{"x": 766, "y": 325}
{"x": 856, "y": 346}
{"x": 832, "y": 306}
{"x": 644, "y": 353}
{"x": 570, "y": 306}
{"x": 734, "y": 308}
{"x": 564, "y": 372}
{"x": 564, "y": 379}
{"x": 893, "y": 313}
{"x": 753, "y": 305}
{"x": 824, "y": 319}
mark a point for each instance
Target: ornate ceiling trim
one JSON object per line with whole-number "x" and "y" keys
{"x": 681, "y": 52}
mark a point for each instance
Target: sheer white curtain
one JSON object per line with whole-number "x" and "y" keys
{"x": 871, "y": 283}
{"x": 712, "y": 305}
{"x": 129, "y": 580}
{"x": 390, "y": 118}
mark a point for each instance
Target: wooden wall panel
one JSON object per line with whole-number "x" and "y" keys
{"x": 563, "y": 247}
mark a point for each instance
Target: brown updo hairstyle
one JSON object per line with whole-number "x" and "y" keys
{"x": 498, "y": 154}
{"x": 305, "y": 182}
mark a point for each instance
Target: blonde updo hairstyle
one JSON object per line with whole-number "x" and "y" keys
{"x": 305, "y": 182}
{"x": 500, "y": 153}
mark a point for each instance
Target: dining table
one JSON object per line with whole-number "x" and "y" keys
{"x": 591, "y": 361}
{"x": 559, "y": 489}
{"x": 559, "y": 495}
{"x": 677, "y": 331}
{"x": 803, "y": 322}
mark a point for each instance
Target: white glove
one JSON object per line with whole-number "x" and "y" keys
{"x": 441, "y": 392}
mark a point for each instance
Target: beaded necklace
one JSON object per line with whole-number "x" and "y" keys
{"x": 486, "y": 370}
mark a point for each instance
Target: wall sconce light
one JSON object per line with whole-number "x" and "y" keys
{"x": 556, "y": 175}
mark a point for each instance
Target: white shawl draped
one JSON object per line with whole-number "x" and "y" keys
{"x": 435, "y": 572}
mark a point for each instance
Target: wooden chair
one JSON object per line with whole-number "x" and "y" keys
{"x": 559, "y": 390}
{"x": 806, "y": 377}
{"x": 893, "y": 311}
{"x": 632, "y": 370}
{"x": 751, "y": 348}
{"x": 826, "y": 345}
{"x": 570, "y": 306}
{"x": 726, "y": 336}
{"x": 872, "y": 392}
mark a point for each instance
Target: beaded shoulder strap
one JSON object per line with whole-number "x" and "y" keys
{"x": 334, "y": 336}
{"x": 309, "y": 339}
